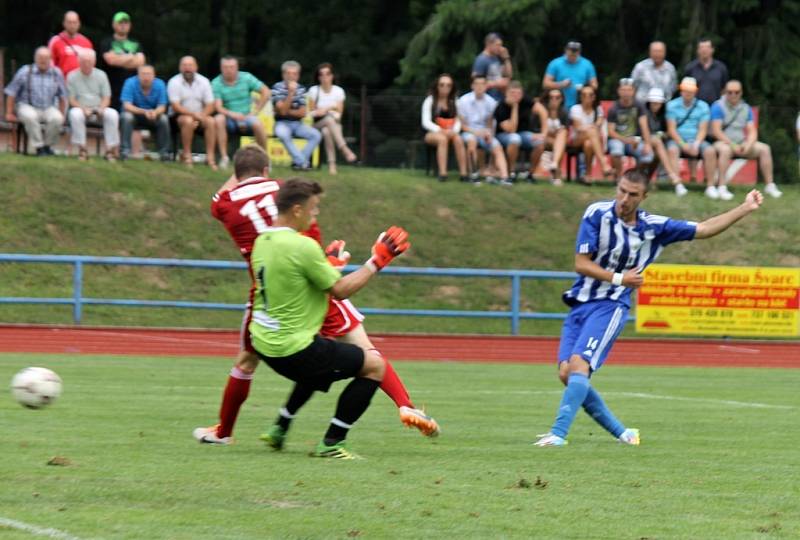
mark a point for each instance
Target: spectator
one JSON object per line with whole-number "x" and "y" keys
{"x": 557, "y": 126}
{"x": 90, "y": 97}
{"x": 36, "y": 94}
{"x": 657, "y": 122}
{"x": 628, "y": 129}
{"x": 655, "y": 72}
{"x": 326, "y": 101}
{"x": 122, "y": 56}
{"x": 144, "y": 102}
{"x": 570, "y": 73}
{"x": 232, "y": 95}
{"x": 687, "y": 127}
{"x": 520, "y": 125}
{"x": 476, "y": 114}
{"x": 441, "y": 125}
{"x": 289, "y": 101}
{"x": 587, "y": 125}
{"x": 192, "y": 102}
{"x": 736, "y": 134}
{"x": 65, "y": 47}
{"x": 710, "y": 74}
{"x": 494, "y": 63}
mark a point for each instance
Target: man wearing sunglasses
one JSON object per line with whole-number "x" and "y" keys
{"x": 736, "y": 135}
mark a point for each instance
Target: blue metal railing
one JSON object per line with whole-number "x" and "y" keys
{"x": 78, "y": 300}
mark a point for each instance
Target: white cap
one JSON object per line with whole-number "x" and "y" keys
{"x": 656, "y": 95}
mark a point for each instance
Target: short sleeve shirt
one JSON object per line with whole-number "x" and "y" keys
{"x": 132, "y": 93}
{"x": 236, "y": 97}
{"x": 280, "y": 92}
{"x": 326, "y": 99}
{"x": 292, "y": 279}
{"x": 65, "y": 50}
{"x": 490, "y": 67}
{"x": 476, "y": 112}
{"x": 192, "y": 96}
{"x": 710, "y": 81}
{"x": 626, "y": 119}
{"x": 503, "y": 113}
{"x": 576, "y": 112}
{"x": 691, "y": 117}
{"x": 118, "y": 75}
{"x": 89, "y": 90}
{"x": 579, "y": 73}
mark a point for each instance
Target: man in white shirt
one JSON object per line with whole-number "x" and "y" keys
{"x": 476, "y": 112}
{"x": 655, "y": 72}
{"x": 192, "y": 102}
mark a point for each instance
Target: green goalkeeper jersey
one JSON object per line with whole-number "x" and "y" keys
{"x": 292, "y": 279}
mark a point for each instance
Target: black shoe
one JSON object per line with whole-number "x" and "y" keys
{"x": 442, "y": 179}
{"x": 41, "y": 151}
{"x": 165, "y": 157}
{"x": 48, "y": 151}
{"x": 303, "y": 168}
{"x": 463, "y": 178}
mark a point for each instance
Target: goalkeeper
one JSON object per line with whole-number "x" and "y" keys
{"x": 293, "y": 280}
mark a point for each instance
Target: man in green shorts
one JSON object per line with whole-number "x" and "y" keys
{"x": 293, "y": 280}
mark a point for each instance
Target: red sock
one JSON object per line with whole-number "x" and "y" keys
{"x": 393, "y": 386}
{"x": 235, "y": 394}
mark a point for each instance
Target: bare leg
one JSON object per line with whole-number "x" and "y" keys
{"x": 461, "y": 157}
{"x": 222, "y": 136}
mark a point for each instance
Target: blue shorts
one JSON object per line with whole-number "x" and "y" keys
{"x": 703, "y": 145}
{"x": 482, "y": 144}
{"x": 591, "y": 330}
{"x": 523, "y": 139}
{"x": 617, "y": 148}
{"x": 246, "y": 125}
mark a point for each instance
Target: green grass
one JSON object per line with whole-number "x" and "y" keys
{"x": 57, "y": 205}
{"x": 713, "y": 463}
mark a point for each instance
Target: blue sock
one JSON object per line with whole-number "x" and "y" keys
{"x": 597, "y": 409}
{"x": 574, "y": 395}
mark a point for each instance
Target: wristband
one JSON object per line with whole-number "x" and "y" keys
{"x": 617, "y": 278}
{"x": 372, "y": 266}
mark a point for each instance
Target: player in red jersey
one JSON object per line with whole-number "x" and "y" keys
{"x": 245, "y": 204}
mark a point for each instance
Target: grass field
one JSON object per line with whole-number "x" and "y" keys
{"x": 718, "y": 458}
{"x": 156, "y": 210}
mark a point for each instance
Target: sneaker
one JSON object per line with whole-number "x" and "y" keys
{"x": 336, "y": 451}
{"x": 523, "y": 176}
{"x": 506, "y": 182}
{"x": 680, "y": 190}
{"x": 772, "y": 190}
{"x": 630, "y": 436}
{"x": 712, "y": 192}
{"x": 491, "y": 180}
{"x": 208, "y": 435}
{"x": 274, "y": 437}
{"x": 548, "y": 439}
{"x": 475, "y": 177}
{"x": 225, "y": 162}
{"x": 724, "y": 193}
{"x": 418, "y": 419}
{"x": 557, "y": 182}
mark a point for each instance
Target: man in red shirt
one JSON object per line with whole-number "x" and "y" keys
{"x": 65, "y": 47}
{"x": 245, "y": 205}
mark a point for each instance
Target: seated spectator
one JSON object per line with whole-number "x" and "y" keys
{"x": 628, "y": 129}
{"x": 476, "y": 114}
{"x": 326, "y": 101}
{"x": 441, "y": 125}
{"x": 192, "y": 102}
{"x": 289, "y": 102}
{"x": 520, "y": 125}
{"x": 144, "y": 103}
{"x": 557, "y": 127}
{"x": 232, "y": 89}
{"x": 657, "y": 122}
{"x": 494, "y": 64}
{"x": 37, "y": 94}
{"x": 122, "y": 56}
{"x": 570, "y": 73}
{"x": 90, "y": 99}
{"x": 587, "y": 131}
{"x": 655, "y": 72}
{"x": 687, "y": 127}
{"x": 65, "y": 47}
{"x": 736, "y": 137}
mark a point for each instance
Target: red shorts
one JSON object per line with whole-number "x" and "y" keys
{"x": 342, "y": 318}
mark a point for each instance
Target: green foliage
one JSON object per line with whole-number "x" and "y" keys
{"x": 716, "y": 460}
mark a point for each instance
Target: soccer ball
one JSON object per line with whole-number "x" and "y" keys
{"x": 36, "y": 387}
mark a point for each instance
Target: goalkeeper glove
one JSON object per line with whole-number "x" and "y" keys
{"x": 389, "y": 245}
{"x": 337, "y": 256}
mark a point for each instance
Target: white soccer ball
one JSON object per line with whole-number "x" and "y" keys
{"x": 36, "y": 387}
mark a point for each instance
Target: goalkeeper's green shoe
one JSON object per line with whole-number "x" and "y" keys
{"x": 335, "y": 451}
{"x": 274, "y": 437}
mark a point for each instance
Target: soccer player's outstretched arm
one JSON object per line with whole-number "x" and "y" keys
{"x": 389, "y": 245}
{"x": 717, "y": 224}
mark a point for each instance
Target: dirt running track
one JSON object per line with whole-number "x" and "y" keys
{"x": 162, "y": 342}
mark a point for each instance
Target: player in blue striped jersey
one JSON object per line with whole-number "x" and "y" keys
{"x": 616, "y": 242}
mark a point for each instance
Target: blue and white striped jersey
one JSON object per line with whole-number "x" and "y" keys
{"x": 618, "y": 247}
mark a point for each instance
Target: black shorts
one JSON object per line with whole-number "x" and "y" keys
{"x": 320, "y": 364}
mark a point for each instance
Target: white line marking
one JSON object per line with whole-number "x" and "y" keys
{"x": 739, "y": 349}
{"x": 37, "y": 531}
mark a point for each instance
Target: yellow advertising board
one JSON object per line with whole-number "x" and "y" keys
{"x": 719, "y": 301}
{"x": 278, "y": 155}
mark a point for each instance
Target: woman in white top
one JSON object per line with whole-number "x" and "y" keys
{"x": 587, "y": 124}
{"x": 441, "y": 125}
{"x": 326, "y": 101}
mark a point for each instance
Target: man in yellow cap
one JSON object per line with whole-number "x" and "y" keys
{"x": 122, "y": 55}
